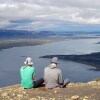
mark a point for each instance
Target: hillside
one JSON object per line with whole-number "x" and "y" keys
{"x": 74, "y": 91}
{"x": 15, "y": 33}
{"x": 92, "y": 59}
{"x": 26, "y": 34}
{"x": 42, "y": 34}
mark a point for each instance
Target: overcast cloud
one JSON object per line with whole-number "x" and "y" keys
{"x": 49, "y": 14}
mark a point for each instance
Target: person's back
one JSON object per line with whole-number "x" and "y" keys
{"x": 26, "y": 76}
{"x": 52, "y": 75}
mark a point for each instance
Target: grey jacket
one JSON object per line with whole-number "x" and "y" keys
{"x": 52, "y": 76}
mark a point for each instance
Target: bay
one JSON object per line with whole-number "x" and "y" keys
{"x": 12, "y": 59}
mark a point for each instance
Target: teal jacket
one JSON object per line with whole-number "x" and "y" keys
{"x": 27, "y": 73}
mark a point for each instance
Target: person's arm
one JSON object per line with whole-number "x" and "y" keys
{"x": 60, "y": 80}
{"x": 44, "y": 74}
{"x": 33, "y": 76}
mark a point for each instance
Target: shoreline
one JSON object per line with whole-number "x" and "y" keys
{"x": 6, "y": 43}
{"x": 88, "y": 59}
{"x": 92, "y": 59}
{"x": 9, "y": 43}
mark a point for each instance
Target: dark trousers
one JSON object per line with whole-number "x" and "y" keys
{"x": 65, "y": 82}
{"x": 38, "y": 83}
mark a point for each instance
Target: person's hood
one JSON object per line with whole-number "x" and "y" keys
{"x": 53, "y": 65}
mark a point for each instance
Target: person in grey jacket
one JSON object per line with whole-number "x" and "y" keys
{"x": 53, "y": 76}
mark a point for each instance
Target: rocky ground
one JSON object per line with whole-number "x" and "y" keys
{"x": 74, "y": 91}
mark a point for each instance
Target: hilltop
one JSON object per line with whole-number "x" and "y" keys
{"x": 74, "y": 91}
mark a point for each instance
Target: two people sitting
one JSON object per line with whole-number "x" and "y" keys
{"x": 52, "y": 75}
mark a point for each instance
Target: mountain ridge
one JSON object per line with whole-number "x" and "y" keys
{"x": 34, "y": 34}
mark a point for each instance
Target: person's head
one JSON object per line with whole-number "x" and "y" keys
{"x": 28, "y": 61}
{"x": 54, "y": 60}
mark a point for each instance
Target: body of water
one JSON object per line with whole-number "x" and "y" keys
{"x": 12, "y": 59}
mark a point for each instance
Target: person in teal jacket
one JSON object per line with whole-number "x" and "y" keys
{"x": 27, "y": 73}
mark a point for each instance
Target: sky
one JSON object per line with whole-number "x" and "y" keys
{"x": 50, "y": 15}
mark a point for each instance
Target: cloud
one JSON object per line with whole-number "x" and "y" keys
{"x": 48, "y": 14}
{"x": 21, "y": 21}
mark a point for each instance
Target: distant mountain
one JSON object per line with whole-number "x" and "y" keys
{"x": 32, "y": 34}
{"x": 25, "y": 34}
{"x": 15, "y": 33}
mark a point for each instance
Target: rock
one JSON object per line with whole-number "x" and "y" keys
{"x": 85, "y": 98}
{"x": 4, "y": 94}
{"x": 52, "y": 99}
{"x": 55, "y": 91}
{"x": 75, "y": 97}
{"x": 92, "y": 83}
{"x": 24, "y": 92}
{"x": 98, "y": 83}
{"x": 19, "y": 95}
{"x": 33, "y": 99}
{"x": 76, "y": 84}
{"x": 13, "y": 94}
{"x": 71, "y": 84}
